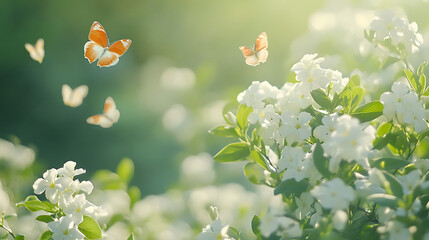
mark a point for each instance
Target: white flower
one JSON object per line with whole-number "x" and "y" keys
{"x": 65, "y": 229}
{"x": 256, "y": 94}
{"x": 384, "y": 214}
{"x": 77, "y": 207}
{"x": 367, "y": 185}
{"x": 350, "y": 141}
{"x": 215, "y": 231}
{"x": 290, "y": 157}
{"x": 272, "y": 222}
{"x": 17, "y": 156}
{"x": 287, "y": 98}
{"x": 333, "y": 194}
{"x": 404, "y": 106}
{"x": 389, "y": 27}
{"x": 266, "y": 116}
{"x": 339, "y": 220}
{"x": 68, "y": 170}
{"x": 409, "y": 181}
{"x": 4, "y": 200}
{"x": 48, "y": 184}
{"x": 335, "y": 78}
{"x": 295, "y": 128}
{"x": 392, "y": 101}
{"x": 323, "y": 131}
{"x": 69, "y": 187}
{"x": 309, "y": 72}
{"x": 396, "y": 231}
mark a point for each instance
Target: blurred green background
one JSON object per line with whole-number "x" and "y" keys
{"x": 203, "y": 36}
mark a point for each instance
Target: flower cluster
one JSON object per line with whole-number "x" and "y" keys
{"x": 403, "y": 106}
{"x": 65, "y": 192}
{"x": 344, "y": 168}
{"x": 395, "y": 33}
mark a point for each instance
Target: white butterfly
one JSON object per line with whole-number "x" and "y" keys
{"x": 74, "y": 98}
{"x": 109, "y": 116}
{"x": 37, "y": 52}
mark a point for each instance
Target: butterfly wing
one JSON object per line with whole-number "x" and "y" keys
{"x": 250, "y": 56}
{"x": 66, "y": 93}
{"x": 97, "y": 43}
{"x": 261, "y": 42}
{"x": 36, "y": 52}
{"x": 262, "y": 55}
{"x": 110, "y": 110}
{"x": 74, "y": 98}
{"x": 98, "y": 35}
{"x": 100, "y": 120}
{"x": 112, "y": 54}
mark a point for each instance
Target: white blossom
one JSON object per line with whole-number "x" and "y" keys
{"x": 273, "y": 222}
{"x": 295, "y": 128}
{"x": 48, "y": 184}
{"x": 339, "y": 220}
{"x": 68, "y": 170}
{"x": 77, "y": 207}
{"x": 333, "y": 194}
{"x": 309, "y": 72}
{"x": 402, "y": 33}
{"x": 65, "y": 229}
{"x": 350, "y": 141}
{"x": 266, "y": 116}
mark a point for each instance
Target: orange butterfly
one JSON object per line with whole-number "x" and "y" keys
{"x": 109, "y": 116}
{"x": 98, "y": 47}
{"x": 259, "y": 54}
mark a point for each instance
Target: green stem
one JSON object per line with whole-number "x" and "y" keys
{"x": 8, "y": 230}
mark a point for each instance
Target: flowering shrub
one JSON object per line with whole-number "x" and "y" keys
{"x": 343, "y": 162}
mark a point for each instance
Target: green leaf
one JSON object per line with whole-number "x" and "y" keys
{"x": 354, "y": 81}
{"x": 422, "y": 83}
{"x": 33, "y": 204}
{"x": 384, "y": 199}
{"x": 320, "y": 161}
{"x": 412, "y": 79}
{"x": 345, "y": 99}
{"x": 259, "y": 158}
{"x": 90, "y": 228}
{"x": 254, "y": 173}
{"x": 395, "y": 186}
{"x": 233, "y": 152}
{"x": 256, "y": 221}
{"x": 45, "y": 218}
{"x": 233, "y": 233}
{"x": 242, "y": 115}
{"x": 389, "y": 163}
{"x": 46, "y": 235}
{"x": 320, "y": 97}
{"x": 19, "y": 237}
{"x": 384, "y": 129}
{"x": 135, "y": 194}
{"x": 224, "y": 131}
{"x": 131, "y": 237}
{"x": 369, "y": 111}
{"x": 421, "y": 68}
{"x": 125, "y": 170}
{"x": 357, "y": 95}
{"x": 291, "y": 186}
{"x": 388, "y": 61}
{"x": 108, "y": 180}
